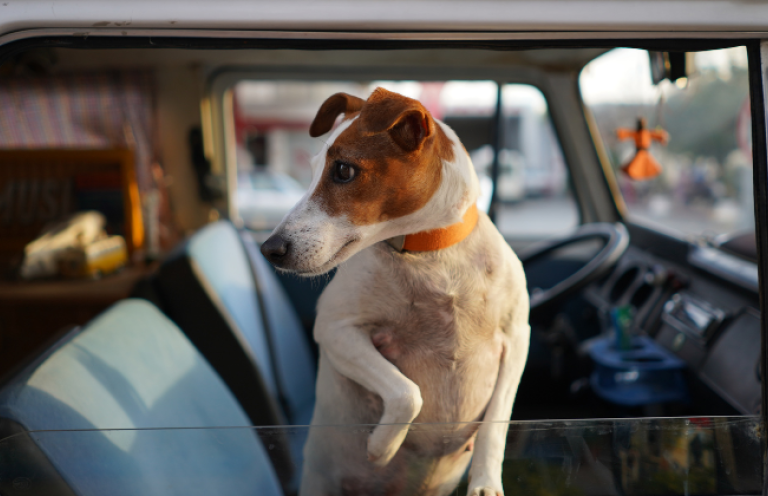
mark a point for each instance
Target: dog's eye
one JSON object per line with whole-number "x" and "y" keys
{"x": 343, "y": 173}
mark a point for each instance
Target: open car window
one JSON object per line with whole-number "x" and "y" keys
{"x": 533, "y": 188}
{"x": 704, "y": 188}
{"x": 273, "y": 149}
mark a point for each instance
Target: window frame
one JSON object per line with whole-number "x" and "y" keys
{"x": 14, "y": 43}
{"x": 219, "y": 119}
{"x": 757, "y": 53}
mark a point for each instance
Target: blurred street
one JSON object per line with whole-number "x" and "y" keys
{"x": 538, "y": 218}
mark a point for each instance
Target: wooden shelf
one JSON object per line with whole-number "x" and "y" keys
{"x": 31, "y": 312}
{"x": 105, "y": 290}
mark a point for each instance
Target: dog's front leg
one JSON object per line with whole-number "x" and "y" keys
{"x": 485, "y": 473}
{"x": 353, "y": 355}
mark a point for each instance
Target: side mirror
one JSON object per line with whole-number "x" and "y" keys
{"x": 668, "y": 65}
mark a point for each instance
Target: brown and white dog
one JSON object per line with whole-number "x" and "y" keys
{"x": 426, "y": 321}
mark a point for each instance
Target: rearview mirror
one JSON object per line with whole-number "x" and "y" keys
{"x": 667, "y": 65}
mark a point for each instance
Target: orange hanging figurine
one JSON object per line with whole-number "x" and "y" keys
{"x": 643, "y": 165}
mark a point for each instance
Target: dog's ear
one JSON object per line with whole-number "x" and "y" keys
{"x": 406, "y": 120}
{"x": 330, "y": 109}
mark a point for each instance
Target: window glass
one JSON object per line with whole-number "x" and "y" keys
{"x": 705, "y": 185}
{"x": 633, "y": 457}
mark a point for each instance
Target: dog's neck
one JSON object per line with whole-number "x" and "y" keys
{"x": 452, "y": 207}
{"x": 437, "y": 239}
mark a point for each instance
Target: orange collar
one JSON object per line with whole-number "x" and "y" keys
{"x": 437, "y": 239}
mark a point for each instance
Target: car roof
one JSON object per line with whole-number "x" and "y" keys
{"x": 392, "y": 18}
{"x": 368, "y": 31}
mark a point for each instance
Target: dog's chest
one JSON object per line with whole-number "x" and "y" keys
{"x": 428, "y": 307}
{"x": 439, "y": 324}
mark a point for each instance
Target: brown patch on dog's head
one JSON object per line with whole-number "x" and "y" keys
{"x": 395, "y": 149}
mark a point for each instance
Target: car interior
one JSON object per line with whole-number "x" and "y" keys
{"x": 193, "y": 368}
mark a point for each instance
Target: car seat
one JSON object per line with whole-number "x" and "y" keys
{"x": 222, "y": 293}
{"x": 125, "y": 406}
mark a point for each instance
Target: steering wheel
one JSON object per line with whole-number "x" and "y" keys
{"x": 616, "y": 240}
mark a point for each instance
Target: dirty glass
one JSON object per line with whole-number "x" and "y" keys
{"x": 705, "y": 186}
{"x": 632, "y": 457}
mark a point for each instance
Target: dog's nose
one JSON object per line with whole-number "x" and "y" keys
{"x": 275, "y": 248}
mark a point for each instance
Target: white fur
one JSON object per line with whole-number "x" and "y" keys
{"x": 316, "y": 237}
{"x": 457, "y": 318}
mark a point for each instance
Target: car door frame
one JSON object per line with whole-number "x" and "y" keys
{"x": 16, "y": 42}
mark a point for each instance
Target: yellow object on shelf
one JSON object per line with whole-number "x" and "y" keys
{"x": 99, "y": 258}
{"x": 55, "y": 182}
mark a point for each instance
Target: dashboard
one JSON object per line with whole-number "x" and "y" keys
{"x": 699, "y": 303}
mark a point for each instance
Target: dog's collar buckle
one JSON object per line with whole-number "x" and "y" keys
{"x": 437, "y": 239}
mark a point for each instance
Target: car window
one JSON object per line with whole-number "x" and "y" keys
{"x": 705, "y": 184}
{"x": 533, "y": 189}
{"x": 705, "y": 187}
{"x": 271, "y": 127}
{"x": 274, "y": 149}
{"x": 266, "y": 181}
{"x": 633, "y": 457}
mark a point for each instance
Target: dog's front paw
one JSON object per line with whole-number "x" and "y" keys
{"x": 485, "y": 491}
{"x": 384, "y": 442}
{"x": 399, "y": 412}
{"x": 484, "y": 486}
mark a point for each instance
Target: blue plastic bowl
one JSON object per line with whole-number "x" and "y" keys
{"x": 646, "y": 374}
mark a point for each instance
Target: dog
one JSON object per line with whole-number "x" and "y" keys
{"x": 426, "y": 319}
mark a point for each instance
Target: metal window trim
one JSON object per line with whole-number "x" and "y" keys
{"x": 533, "y": 35}
{"x": 758, "y": 77}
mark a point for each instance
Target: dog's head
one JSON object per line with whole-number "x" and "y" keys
{"x": 388, "y": 169}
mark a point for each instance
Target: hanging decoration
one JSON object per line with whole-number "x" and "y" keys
{"x": 642, "y": 166}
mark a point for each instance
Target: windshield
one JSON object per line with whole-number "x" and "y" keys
{"x": 705, "y": 184}
{"x": 670, "y": 456}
